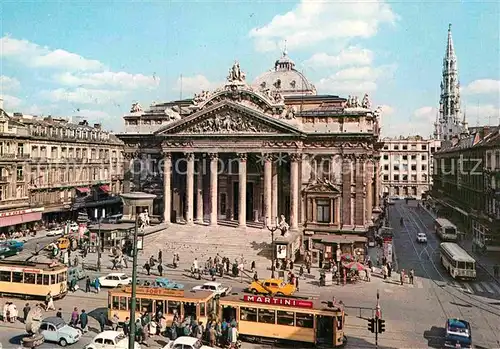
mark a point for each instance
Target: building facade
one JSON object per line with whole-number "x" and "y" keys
{"x": 51, "y": 168}
{"x": 407, "y": 165}
{"x": 261, "y": 154}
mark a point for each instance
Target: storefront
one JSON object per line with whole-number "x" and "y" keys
{"x": 288, "y": 247}
{"x": 486, "y": 237}
{"x": 113, "y": 235}
{"x": 329, "y": 248}
{"x": 18, "y": 220}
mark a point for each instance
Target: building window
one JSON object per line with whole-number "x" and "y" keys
{"x": 424, "y": 157}
{"x": 20, "y": 149}
{"x": 20, "y": 174}
{"x": 424, "y": 167}
{"x": 386, "y": 147}
{"x": 405, "y": 177}
{"x": 414, "y": 157}
{"x": 386, "y": 157}
{"x": 223, "y": 203}
{"x": 413, "y": 167}
{"x": 414, "y": 178}
{"x": 396, "y": 147}
{"x": 386, "y": 167}
{"x": 405, "y": 147}
{"x": 323, "y": 211}
{"x": 2, "y": 193}
{"x": 405, "y": 157}
{"x": 386, "y": 177}
{"x": 396, "y": 168}
{"x": 424, "y": 146}
{"x": 396, "y": 177}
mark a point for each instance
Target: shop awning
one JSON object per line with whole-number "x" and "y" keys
{"x": 104, "y": 188}
{"x": 343, "y": 239}
{"x": 83, "y": 189}
{"x": 20, "y": 219}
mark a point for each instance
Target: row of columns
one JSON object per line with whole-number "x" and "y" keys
{"x": 270, "y": 189}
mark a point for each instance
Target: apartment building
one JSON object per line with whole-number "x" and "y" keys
{"x": 407, "y": 165}
{"x": 51, "y": 168}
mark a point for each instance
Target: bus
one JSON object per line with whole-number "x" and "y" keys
{"x": 446, "y": 230}
{"x": 33, "y": 280}
{"x": 280, "y": 319}
{"x": 456, "y": 261}
{"x": 199, "y": 305}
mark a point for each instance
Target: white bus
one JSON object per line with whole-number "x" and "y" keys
{"x": 456, "y": 261}
{"x": 446, "y": 230}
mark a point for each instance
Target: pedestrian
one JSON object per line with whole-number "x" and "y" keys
{"x": 126, "y": 327}
{"x": 114, "y": 261}
{"x": 87, "y": 285}
{"x": 301, "y": 271}
{"x": 147, "y": 267}
{"x": 402, "y": 276}
{"x": 26, "y": 311}
{"x": 297, "y": 283}
{"x": 84, "y": 320}
{"x": 384, "y": 272}
{"x": 212, "y": 336}
{"x": 49, "y": 302}
{"x": 74, "y": 317}
{"x": 160, "y": 255}
{"x": 389, "y": 269}
{"x": 114, "y": 322}
{"x": 102, "y": 321}
{"x": 412, "y": 276}
{"x": 97, "y": 285}
{"x": 59, "y": 313}
{"x": 368, "y": 275}
{"x": 308, "y": 266}
{"x": 160, "y": 269}
{"x": 253, "y": 266}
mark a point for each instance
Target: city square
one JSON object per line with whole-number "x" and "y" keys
{"x": 295, "y": 183}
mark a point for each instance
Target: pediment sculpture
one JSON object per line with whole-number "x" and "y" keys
{"x": 288, "y": 113}
{"x": 283, "y": 226}
{"x": 235, "y": 73}
{"x": 366, "y": 102}
{"x": 201, "y": 97}
{"x": 136, "y": 108}
{"x": 172, "y": 115}
{"x": 227, "y": 123}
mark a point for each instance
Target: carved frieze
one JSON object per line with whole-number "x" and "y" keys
{"x": 295, "y": 157}
{"x": 173, "y": 144}
{"x": 227, "y": 123}
{"x": 280, "y": 144}
{"x": 242, "y": 156}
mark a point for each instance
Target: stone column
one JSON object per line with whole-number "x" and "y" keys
{"x": 369, "y": 190}
{"x": 346, "y": 190}
{"x": 268, "y": 182}
{"x": 189, "y": 188}
{"x": 337, "y": 210}
{"x": 127, "y": 171}
{"x": 167, "y": 190}
{"x": 377, "y": 181}
{"x": 359, "y": 179}
{"x": 199, "y": 193}
{"x": 242, "y": 195}
{"x": 294, "y": 191}
{"x": 274, "y": 194}
{"x": 214, "y": 162}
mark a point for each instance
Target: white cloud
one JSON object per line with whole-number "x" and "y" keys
{"x": 355, "y": 80}
{"x": 313, "y": 22}
{"x": 83, "y": 95}
{"x": 194, "y": 84}
{"x": 483, "y": 86}
{"x": 10, "y": 102}
{"x": 352, "y": 55}
{"x": 486, "y": 114}
{"x": 7, "y": 83}
{"x": 37, "y": 56}
{"x": 426, "y": 114}
{"x": 93, "y": 114}
{"x": 387, "y": 110}
{"x": 122, "y": 80}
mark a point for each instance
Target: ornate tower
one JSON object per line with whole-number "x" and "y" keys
{"x": 449, "y": 123}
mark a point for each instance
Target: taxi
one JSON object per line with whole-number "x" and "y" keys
{"x": 275, "y": 287}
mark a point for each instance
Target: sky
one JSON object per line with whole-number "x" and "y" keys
{"x": 93, "y": 59}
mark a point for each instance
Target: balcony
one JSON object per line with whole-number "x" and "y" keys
{"x": 4, "y": 179}
{"x": 20, "y": 179}
{"x": 23, "y": 156}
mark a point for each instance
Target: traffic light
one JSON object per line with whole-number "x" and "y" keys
{"x": 381, "y": 325}
{"x": 371, "y": 325}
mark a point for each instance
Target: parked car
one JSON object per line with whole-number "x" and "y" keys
{"x": 55, "y": 232}
{"x": 76, "y": 273}
{"x": 421, "y": 237}
{"x": 272, "y": 286}
{"x": 186, "y": 342}
{"x": 6, "y": 251}
{"x": 55, "y": 330}
{"x": 215, "y": 287}
{"x": 17, "y": 245}
{"x": 115, "y": 280}
{"x": 110, "y": 340}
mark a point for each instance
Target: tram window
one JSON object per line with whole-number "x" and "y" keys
{"x": 52, "y": 279}
{"x": 174, "y": 307}
{"x": 137, "y": 304}
{"x": 210, "y": 306}
{"x": 17, "y": 277}
{"x": 5, "y": 276}
{"x": 339, "y": 322}
{"x": 248, "y": 314}
{"x": 160, "y": 307}
{"x": 461, "y": 265}
{"x": 267, "y": 316}
{"x": 115, "y": 304}
{"x": 29, "y": 278}
{"x": 123, "y": 303}
{"x": 64, "y": 276}
{"x": 146, "y": 304}
{"x": 45, "y": 279}
{"x": 202, "y": 309}
{"x": 304, "y": 320}
{"x": 285, "y": 318}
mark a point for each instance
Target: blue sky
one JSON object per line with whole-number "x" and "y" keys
{"x": 95, "y": 58}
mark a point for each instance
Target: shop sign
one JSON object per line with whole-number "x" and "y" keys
{"x": 294, "y": 303}
{"x": 281, "y": 251}
{"x": 156, "y": 291}
{"x": 21, "y": 270}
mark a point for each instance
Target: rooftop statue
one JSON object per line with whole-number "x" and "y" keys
{"x": 235, "y": 73}
{"x": 283, "y": 226}
{"x": 136, "y": 108}
{"x": 366, "y": 102}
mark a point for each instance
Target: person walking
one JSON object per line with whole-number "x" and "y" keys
{"x": 412, "y": 276}
{"x": 160, "y": 269}
{"x": 402, "y": 276}
{"x": 59, "y": 313}
{"x": 97, "y": 285}
{"x": 87, "y": 284}
{"x": 160, "y": 255}
{"x": 84, "y": 320}
{"x": 49, "y": 300}
{"x": 147, "y": 267}
{"x": 74, "y": 317}
{"x": 212, "y": 336}
{"x": 102, "y": 321}
{"x": 126, "y": 327}
{"x": 26, "y": 311}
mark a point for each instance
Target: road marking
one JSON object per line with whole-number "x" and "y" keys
{"x": 420, "y": 284}
{"x": 478, "y": 287}
{"x": 495, "y": 286}
{"x": 465, "y": 287}
{"x": 487, "y": 287}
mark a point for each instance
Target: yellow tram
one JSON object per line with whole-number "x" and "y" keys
{"x": 199, "y": 304}
{"x": 30, "y": 279}
{"x": 260, "y": 318}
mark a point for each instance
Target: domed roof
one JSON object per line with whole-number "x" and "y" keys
{"x": 285, "y": 79}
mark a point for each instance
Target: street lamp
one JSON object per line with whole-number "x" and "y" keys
{"x": 272, "y": 230}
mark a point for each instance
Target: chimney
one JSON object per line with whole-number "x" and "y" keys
{"x": 97, "y": 126}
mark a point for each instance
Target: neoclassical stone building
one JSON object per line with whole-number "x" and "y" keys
{"x": 246, "y": 154}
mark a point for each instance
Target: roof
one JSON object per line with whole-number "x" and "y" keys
{"x": 212, "y": 283}
{"x": 186, "y": 340}
{"x": 108, "y": 334}
{"x": 115, "y": 274}
{"x": 55, "y": 320}
{"x": 444, "y": 222}
{"x": 457, "y": 252}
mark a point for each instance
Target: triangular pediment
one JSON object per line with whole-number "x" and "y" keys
{"x": 322, "y": 186}
{"x": 229, "y": 118}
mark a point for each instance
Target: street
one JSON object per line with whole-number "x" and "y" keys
{"x": 414, "y": 314}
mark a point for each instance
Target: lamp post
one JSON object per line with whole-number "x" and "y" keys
{"x": 378, "y": 315}
{"x": 272, "y": 230}
{"x": 131, "y": 338}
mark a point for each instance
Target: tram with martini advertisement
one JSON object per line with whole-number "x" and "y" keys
{"x": 276, "y": 319}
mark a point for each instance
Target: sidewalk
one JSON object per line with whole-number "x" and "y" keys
{"x": 485, "y": 260}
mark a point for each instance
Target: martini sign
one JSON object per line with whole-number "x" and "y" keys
{"x": 294, "y": 303}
